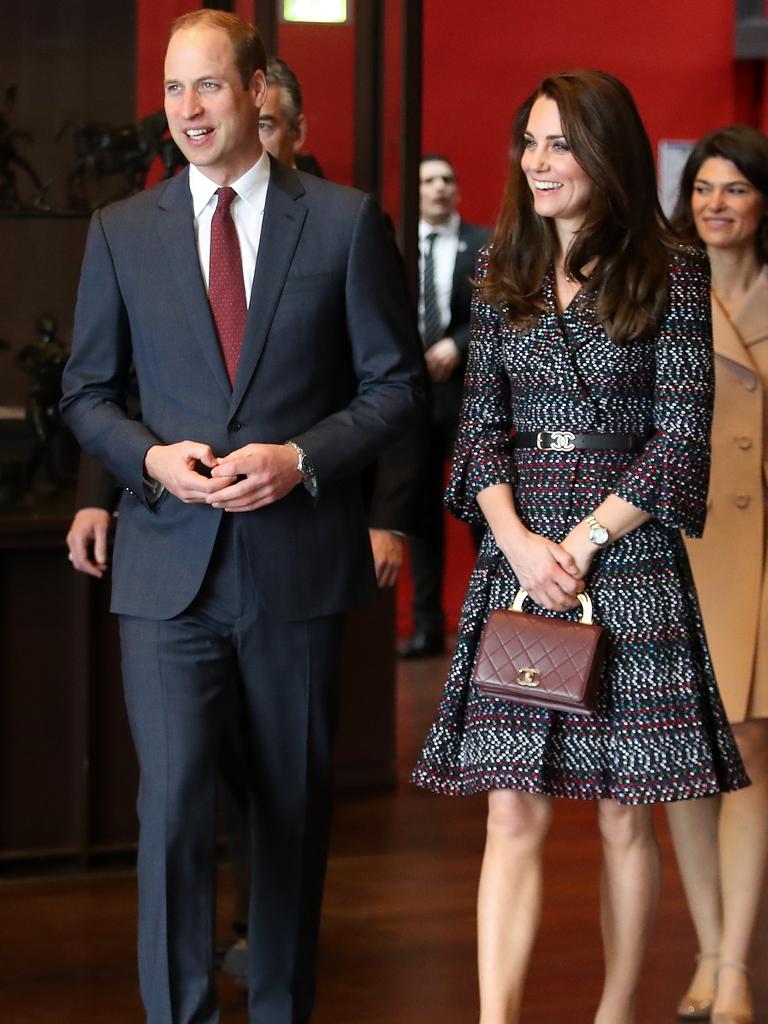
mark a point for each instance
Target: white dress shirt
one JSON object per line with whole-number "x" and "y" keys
{"x": 444, "y": 262}
{"x": 247, "y": 213}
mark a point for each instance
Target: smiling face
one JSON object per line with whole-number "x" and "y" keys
{"x": 726, "y": 206}
{"x": 561, "y": 187}
{"x": 212, "y": 117}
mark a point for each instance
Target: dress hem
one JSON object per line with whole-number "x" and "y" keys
{"x": 674, "y": 790}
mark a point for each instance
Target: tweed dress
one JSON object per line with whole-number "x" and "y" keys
{"x": 659, "y": 732}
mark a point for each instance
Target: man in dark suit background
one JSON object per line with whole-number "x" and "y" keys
{"x": 242, "y": 537}
{"x": 448, "y": 250}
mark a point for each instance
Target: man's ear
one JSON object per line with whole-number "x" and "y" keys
{"x": 300, "y": 131}
{"x": 258, "y": 89}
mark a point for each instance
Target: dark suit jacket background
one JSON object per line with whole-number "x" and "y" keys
{"x": 446, "y": 395}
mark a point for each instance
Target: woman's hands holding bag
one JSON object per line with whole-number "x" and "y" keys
{"x": 549, "y": 573}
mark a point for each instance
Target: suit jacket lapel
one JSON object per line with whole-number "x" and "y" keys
{"x": 280, "y": 232}
{"x": 464, "y": 258}
{"x": 751, "y": 318}
{"x": 727, "y": 340}
{"x": 177, "y": 231}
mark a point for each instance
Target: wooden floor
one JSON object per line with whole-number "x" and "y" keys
{"x": 398, "y": 928}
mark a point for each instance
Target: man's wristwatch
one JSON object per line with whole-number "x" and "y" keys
{"x": 597, "y": 532}
{"x": 306, "y": 467}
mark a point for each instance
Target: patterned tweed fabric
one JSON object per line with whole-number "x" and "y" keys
{"x": 660, "y": 732}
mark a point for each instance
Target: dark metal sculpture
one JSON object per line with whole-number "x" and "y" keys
{"x": 113, "y": 162}
{"x": 43, "y": 360}
{"x": 12, "y": 160}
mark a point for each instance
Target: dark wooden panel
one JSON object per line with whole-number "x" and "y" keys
{"x": 73, "y": 62}
{"x": 39, "y": 266}
{"x": 43, "y": 758}
{"x": 365, "y": 752}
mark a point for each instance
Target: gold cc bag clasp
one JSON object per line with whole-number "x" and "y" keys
{"x": 527, "y": 674}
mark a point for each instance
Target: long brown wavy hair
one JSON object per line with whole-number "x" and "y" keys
{"x": 625, "y": 233}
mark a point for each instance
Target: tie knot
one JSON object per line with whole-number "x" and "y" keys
{"x": 226, "y": 195}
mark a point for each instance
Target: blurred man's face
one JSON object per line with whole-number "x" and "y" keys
{"x": 278, "y": 135}
{"x": 438, "y": 191}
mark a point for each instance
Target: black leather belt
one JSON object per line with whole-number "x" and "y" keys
{"x": 568, "y": 441}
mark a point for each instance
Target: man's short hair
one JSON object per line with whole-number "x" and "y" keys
{"x": 441, "y": 158}
{"x": 250, "y": 55}
{"x": 280, "y": 75}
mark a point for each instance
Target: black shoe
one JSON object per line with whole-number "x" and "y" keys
{"x": 422, "y": 645}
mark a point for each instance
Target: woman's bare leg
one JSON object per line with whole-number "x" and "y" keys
{"x": 743, "y": 854}
{"x": 629, "y": 895}
{"x": 694, "y": 826}
{"x": 509, "y": 900}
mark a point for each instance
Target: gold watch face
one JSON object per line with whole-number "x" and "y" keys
{"x": 598, "y": 534}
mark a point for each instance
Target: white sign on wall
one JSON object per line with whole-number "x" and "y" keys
{"x": 326, "y": 12}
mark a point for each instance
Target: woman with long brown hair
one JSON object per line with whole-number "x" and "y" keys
{"x": 722, "y": 845}
{"x": 584, "y": 444}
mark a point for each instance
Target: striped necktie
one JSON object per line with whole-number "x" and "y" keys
{"x": 433, "y": 321}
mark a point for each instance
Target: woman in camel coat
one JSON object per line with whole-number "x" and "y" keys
{"x": 722, "y": 844}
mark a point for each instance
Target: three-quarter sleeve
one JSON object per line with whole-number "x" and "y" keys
{"x": 482, "y": 455}
{"x": 671, "y": 476}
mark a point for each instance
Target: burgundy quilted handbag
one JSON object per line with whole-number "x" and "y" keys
{"x": 530, "y": 659}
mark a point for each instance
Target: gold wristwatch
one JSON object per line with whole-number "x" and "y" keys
{"x": 597, "y": 532}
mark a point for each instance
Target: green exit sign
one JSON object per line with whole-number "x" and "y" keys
{"x": 322, "y": 12}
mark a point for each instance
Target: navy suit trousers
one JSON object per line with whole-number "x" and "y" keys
{"x": 178, "y": 674}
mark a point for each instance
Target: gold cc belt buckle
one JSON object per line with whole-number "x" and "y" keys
{"x": 555, "y": 440}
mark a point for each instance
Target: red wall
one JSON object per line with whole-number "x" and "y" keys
{"x": 676, "y": 57}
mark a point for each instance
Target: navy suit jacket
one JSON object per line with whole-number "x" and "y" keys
{"x": 330, "y": 360}
{"x": 447, "y": 395}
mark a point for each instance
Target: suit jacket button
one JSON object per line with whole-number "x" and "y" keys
{"x": 235, "y": 425}
{"x": 750, "y": 383}
{"x": 742, "y": 500}
{"x": 744, "y": 442}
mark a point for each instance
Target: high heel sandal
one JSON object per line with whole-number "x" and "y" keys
{"x": 698, "y": 1009}
{"x": 734, "y": 1016}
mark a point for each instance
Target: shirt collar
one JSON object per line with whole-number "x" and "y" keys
{"x": 251, "y": 186}
{"x": 451, "y": 227}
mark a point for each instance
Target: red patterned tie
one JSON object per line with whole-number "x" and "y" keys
{"x": 226, "y": 290}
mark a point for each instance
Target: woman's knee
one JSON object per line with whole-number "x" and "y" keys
{"x": 752, "y": 741}
{"x": 514, "y": 816}
{"x": 622, "y": 826}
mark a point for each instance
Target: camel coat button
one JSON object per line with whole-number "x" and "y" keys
{"x": 744, "y": 442}
{"x": 750, "y": 383}
{"x": 742, "y": 500}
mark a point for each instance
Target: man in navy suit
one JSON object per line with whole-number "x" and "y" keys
{"x": 242, "y": 535}
{"x": 448, "y": 248}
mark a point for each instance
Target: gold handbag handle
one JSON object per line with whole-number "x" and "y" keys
{"x": 584, "y": 599}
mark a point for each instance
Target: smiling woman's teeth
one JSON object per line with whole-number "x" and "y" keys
{"x": 547, "y": 186}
